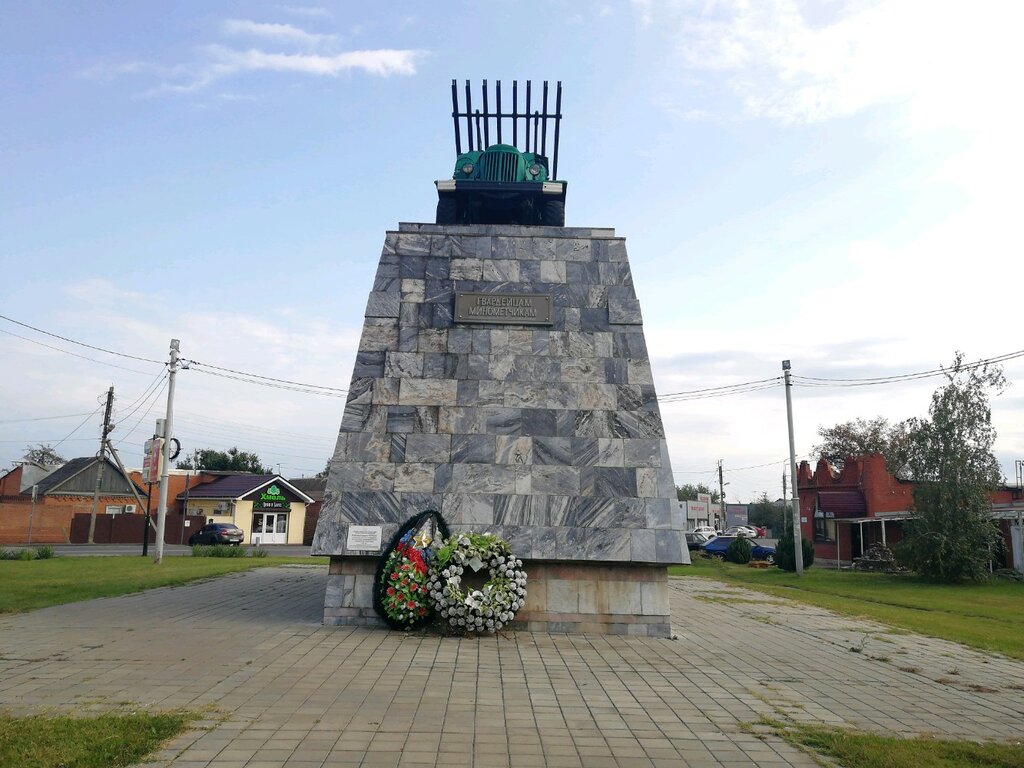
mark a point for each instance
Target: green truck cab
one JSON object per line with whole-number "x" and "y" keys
{"x": 499, "y": 183}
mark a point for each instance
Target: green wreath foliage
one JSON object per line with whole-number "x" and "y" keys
{"x": 400, "y": 583}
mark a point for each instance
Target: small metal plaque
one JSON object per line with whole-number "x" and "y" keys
{"x": 365, "y": 538}
{"x": 505, "y": 308}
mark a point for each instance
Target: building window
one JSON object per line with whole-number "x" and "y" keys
{"x": 824, "y": 528}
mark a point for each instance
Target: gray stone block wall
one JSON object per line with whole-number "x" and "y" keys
{"x": 548, "y": 435}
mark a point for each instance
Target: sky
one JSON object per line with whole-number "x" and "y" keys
{"x": 832, "y": 183}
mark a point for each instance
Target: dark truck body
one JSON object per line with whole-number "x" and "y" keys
{"x": 500, "y": 183}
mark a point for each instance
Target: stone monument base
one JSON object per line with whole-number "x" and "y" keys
{"x": 572, "y": 598}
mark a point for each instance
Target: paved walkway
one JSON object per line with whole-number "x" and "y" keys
{"x": 282, "y": 691}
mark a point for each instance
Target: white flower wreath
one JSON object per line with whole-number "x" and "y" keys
{"x": 492, "y": 606}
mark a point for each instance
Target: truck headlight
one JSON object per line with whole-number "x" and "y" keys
{"x": 534, "y": 170}
{"x": 467, "y": 168}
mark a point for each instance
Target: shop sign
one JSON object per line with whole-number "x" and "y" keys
{"x": 272, "y": 498}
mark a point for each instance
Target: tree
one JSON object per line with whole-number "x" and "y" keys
{"x": 43, "y": 454}
{"x": 231, "y": 460}
{"x": 785, "y": 550}
{"x": 739, "y": 551}
{"x": 689, "y": 492}
{"x": 860, "y": 437}
{"x": 766, "y": 513}
{"x": 951, "y": 461}
{"x": 322, "y": 474}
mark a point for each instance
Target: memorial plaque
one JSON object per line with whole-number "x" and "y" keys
{"x": 366, "y": 538}
{"x": 505, "y": 308}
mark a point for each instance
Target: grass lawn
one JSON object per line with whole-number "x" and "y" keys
{"x": 26, "y": 585}
{"x": 106, "y": 741}
{"x": 857, "y": 749}
{"x": 987, "y": 616}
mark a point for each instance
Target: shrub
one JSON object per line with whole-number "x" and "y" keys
{"x": 258, "y": 552}
{"x": 739, "y": 551}
{"x": 7, "y": 554}
{"x": 217, "y": 550}
{"x": 44, "y": 552}
{"x": 26, "y": 554}
{"x": 785, "y": 556}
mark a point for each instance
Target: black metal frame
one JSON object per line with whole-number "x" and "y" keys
{"x": 480, "y": 138}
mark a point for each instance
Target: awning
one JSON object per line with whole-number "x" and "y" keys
{"x": 842, "y": 504}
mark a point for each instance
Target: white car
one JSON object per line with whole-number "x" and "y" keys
{"x": 742, "y": 530}
{"x": 707, "y": 530}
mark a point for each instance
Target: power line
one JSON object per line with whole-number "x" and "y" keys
{"x": 76, "y": 428}
{"x": 816, "y": 381}
{"x": 331, "y": 391}
{"x": 45, "y": 418}
{"x": 68, "y": 352}
{"x": 154, "y": 399}
{"x": 80, "y": 343}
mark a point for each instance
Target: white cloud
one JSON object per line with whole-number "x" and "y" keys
{"x": 284, "y": 33}
{"x": 218, "y": 61}
{"x": 787, "y": 65}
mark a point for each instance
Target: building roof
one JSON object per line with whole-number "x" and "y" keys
{"x": 238, "y": 486}
{"x": 52, "y": 482}
{"x": 313, "y": 487}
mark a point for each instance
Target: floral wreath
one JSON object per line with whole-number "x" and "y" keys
{"x": 400, "y": 593}
{"x": 492, "y": 606}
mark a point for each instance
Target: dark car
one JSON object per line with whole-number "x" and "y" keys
{"x": 697, "y": 539}
{"x": 717, "y": 546}
{"x": 217, "y": 533}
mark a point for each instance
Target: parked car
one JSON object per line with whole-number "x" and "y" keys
{"x": 742, "y": 530}
{"x": 717, "y": 546}
{"x": 217, "y": 533}
{"x": 707, "y": 530}
{"x": 697, "y": 539}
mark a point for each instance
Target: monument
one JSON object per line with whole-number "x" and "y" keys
{"x": 503, "y": 380}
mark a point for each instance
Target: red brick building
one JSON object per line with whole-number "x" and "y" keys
{"x": 846, "y": 512}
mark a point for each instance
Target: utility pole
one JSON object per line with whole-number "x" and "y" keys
{"x": 784, "y": 503}
{"x": 103, "y": 462}
{"x": 161, "y": 510}
{"x": 798, "y": 549}
{"x": 721, "y": 495}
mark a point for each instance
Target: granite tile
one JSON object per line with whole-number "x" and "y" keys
{"x": 432, "y": 448}
{"x": 403, "y": 365}
{"x": 642, "y": 452}
{"x": 427, "y": 392}
{"x": 385, "y": 391}
{"x": 414, "y": 477}
{"x": 468, "y": 509}
{"x": 473, "y": 449}
{"x": 556, "y": 480}
{"x": 552, "y": 450}
{"x": 611, "y": 482}
{"x": 443, "y": 478}
{"x": 401, "y": 418}
{"x": 483, "y": 478}
{"x": 538, "y": 422}
{"x": 382, "y": 304}
{"x": 503, "y": 421}
{"x": 513, "y": 450}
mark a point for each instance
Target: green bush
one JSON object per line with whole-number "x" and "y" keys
{"x": 259, "y": 552}
{"x": 26, "y": 554}
{"x": 739, "y": 551}
{"x": 44, "y": 552}
{"x": 217, "y": 550}
{"x": 7, "y": 554}
{"x": 785, "y": 550}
